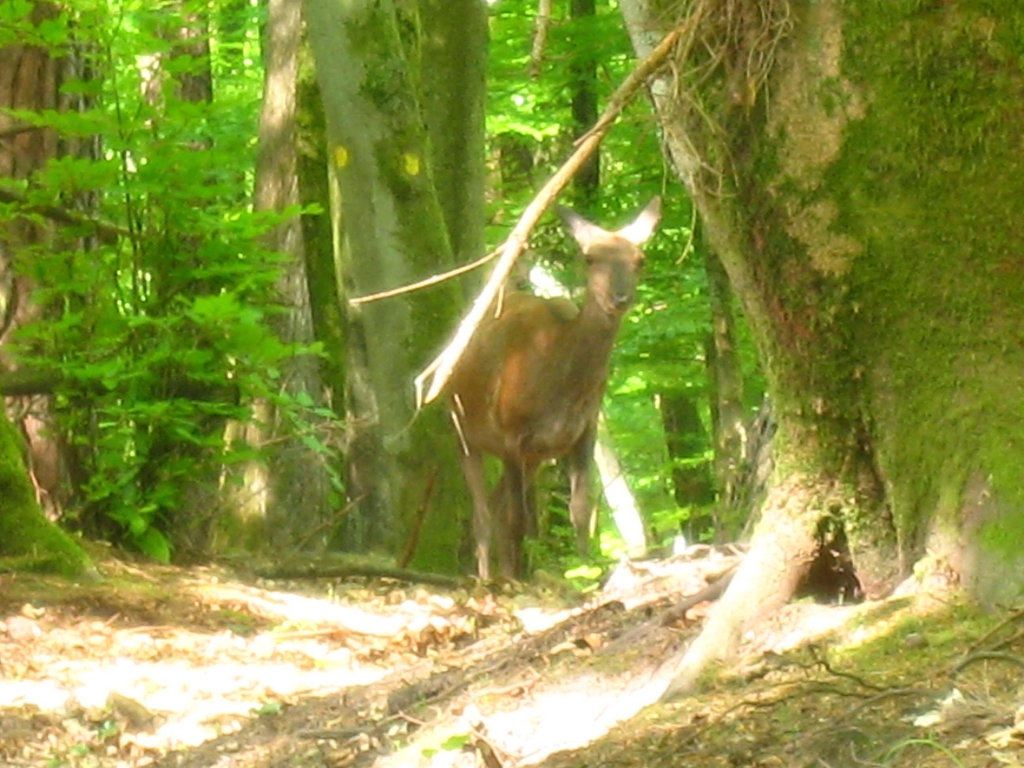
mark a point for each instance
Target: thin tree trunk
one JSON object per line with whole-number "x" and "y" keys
{"x": 583, "y": 86}
{"x": 190, "y": 518}
{"x": 726, "y": 393}
{"x": 686, "y": 440}
{"x": 541, "y": 25}
{"x": 297, "y": 482}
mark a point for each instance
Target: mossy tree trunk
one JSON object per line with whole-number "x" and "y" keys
{"x": 404, "y": 476}
{"x": 868, "y": 223}
{"x": 24, "y": 532}
{"x": 322, "y": 263}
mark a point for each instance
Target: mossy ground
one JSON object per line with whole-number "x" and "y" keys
{"x": 876, "y": 702}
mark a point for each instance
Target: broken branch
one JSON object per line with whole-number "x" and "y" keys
{"x": 440, "y": 369}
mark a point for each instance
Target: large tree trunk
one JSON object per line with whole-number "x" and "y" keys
{"x": 868, "y": 222}
{"x": 320, "y": 232}
{"x": 32, "y": 80}
{"x": 404, "y": 477}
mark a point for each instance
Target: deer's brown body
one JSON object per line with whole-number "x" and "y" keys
{"x": 529, "y": 388}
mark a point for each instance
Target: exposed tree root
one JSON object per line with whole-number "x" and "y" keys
{"x": 782, "y": 549}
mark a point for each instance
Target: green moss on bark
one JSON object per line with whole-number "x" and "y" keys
{"x": 931, "y": 180}
{"x": 399, "y": 462}
{"x": 25, "y": 533}
{"x": 883, "y": 189}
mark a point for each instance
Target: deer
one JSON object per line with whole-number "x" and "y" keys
{"x": 529, "y": 386}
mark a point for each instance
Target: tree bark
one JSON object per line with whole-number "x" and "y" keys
{"x": 394, "y": 233}
{"x": 686, "y": 440}
{"x": 866, "y": 221}
{"x": 32, "y": 83}
{"x": 583, "y": 86}
{"x": 318, "y": 186}
{"x": 454, "y": 92}
{"x": 24, "y": 531}
{"x": 297, "y": 479}
{"x": 725, "y": 378}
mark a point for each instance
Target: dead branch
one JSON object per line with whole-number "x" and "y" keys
{"x": 440, "y": 369}
{"x": 417, "y": 524}
{"x": 672, "y": 614}
{"x": 987, "y": 656}
{"x": 426, "y": 283}
{"x": 1015, "y": 615}
{"x": 712, "y": 591}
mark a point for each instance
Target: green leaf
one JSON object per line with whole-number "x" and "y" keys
{"x": 453, "y": 743}
{"x": 269, "y": 708}
{"x": 155, "y": 544}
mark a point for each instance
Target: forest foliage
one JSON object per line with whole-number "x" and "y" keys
{"x": 155, "y": 298}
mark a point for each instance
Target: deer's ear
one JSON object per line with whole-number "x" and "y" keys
{"x": 582, "y": 230}
{"x": 640, "y": 231}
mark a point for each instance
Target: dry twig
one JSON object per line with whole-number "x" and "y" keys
{"x": 425, "y": 283}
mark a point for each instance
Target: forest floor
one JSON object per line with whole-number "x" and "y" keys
{"x": 158, "y": 666}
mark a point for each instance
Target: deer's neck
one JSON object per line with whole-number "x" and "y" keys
{"x": 590, "y": 337}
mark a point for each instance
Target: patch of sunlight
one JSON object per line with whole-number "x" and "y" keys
{"x": 564, "y": 716}
{"x": 538, "y": 619}
{"x": 546, "y": 284}
{"x": 196, "y": 686}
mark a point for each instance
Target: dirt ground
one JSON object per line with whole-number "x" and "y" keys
{"x": 157, "y": 666}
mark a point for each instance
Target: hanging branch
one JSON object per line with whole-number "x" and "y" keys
{"x": 440, "y": 369}
{"x": 425, "y": 283}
